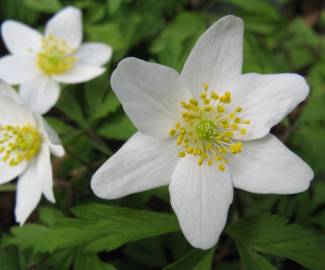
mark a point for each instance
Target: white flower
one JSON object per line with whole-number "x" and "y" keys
{"x": 26, "y": 142}
{"x": 38, "y": 63}
{"x": 203, "y": 132}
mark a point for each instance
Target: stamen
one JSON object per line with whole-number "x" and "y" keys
{"x": 56, "y": 56}
{"x": 208, "y": 129}
{"x": 18, "y": 144}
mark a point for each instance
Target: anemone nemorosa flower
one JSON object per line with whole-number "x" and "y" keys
{"x": 38, "y": 63}
{"x": 26, "y": 142}
{"x": 203, "y": 132}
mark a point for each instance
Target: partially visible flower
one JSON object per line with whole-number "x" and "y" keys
{"x": 203, "y": 132}
{"x": 26, "y": 142}
{"x": 38, "y": 63}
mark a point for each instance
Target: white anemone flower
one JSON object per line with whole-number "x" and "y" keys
{"x": 26, "y": 142}
{"x": 203, "y": 132}
{"x": 38, "y": 63}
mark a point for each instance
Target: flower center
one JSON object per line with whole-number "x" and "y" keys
{"x": 208, "y": 128}
{"x": 56, "y": 56}
{"x": 18, "y": 143}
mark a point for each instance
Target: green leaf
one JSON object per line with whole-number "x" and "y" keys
{"x": 176, "y": 41}
{"x": 96, "y": 227}
{"x": 273, "y": 235}
{"x": 194, "y": 260}
{"x": 118, "y": 128}
{"x": 84, "y": 261}
{"x": 311, "y": 143}
{"x": 70, "y": 106}
{"x": 49, "y": 6}
{"x": 252, "y": 260}
{"x": 9, "y": 259}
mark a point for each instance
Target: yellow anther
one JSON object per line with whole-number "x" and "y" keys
{"x": 200, "y": 161}
{"x": 214, "y": 95}
{"x": 182, "y": 154}
{"x": 237, "y": 120}
{"x": 243, "y": 131}
{"x": 238, "y": 109}
{"x": 221, "y": 167}
{"x": 172, "y": 132}
{"x": 220, "y": 109}
{"x": 203, "y": 96}
{"x": 246, "y": 122}
{"x": 55, "y": 57}
{"x": 19, "y": 143}
{"x": 207, "y": 131}
{"x": 205, "y": 86}
{"x": 234, "y": 126}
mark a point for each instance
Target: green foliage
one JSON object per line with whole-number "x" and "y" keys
{"x": 272, "y": 234}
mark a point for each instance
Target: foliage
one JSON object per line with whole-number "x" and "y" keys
{"x": 140, "y": 231}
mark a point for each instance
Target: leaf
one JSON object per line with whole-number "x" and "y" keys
{"x": 84, "y": 261}
{"x": 9, "y": 259}
{"x": 49, "y": 6}
{"x": 69, "y": 105}
{"x": 311, "y": 143}
{"x": 273, "y": 235}
{"x": 176, "y": 41}
{"x": 118, "y": 128}
{"x": 97, "y": 227}
{"x": 194, "y": 260}
{"x": 252, "y": 260}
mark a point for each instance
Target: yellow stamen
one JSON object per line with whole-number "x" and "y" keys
{"x": 19, "y": 143}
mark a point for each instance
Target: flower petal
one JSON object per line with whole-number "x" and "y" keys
{"x": 150, "y": 94}
{"x": 92, "y": 53}
{"x": 43, "y": 172}
{"x": 40, "y": 94}
{"x": 28, "y": 195}
{"x": 268, "y": 166}
{"x": 142, "y": 163}
{"x": 66, "y": 25}
{"x": 267, "y": 99}
{"x": 216, "y": 58}
{"x": 11, "y": 112}
{"x": 18, "y": 69}
{"x": 8, "y": 91}
{"x": 20, "y": 39}
{"x": 200, "y": 196}
{"x": 50, "y": 136}
{"x": 8, "y": 173}
{"x": 80, "y": 73}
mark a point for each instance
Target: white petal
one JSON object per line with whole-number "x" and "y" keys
{"x": 40, "y": 94}
{"x": 142, "y": 163}
{"x": 28, "y": 195}
{"x": 17, "y": 69}
{"x": 13, "y": 113}
{"x": 268, "y": 166}
{"x": 80, "y": 73}
{"x": 92, "y": 53}
{"x": 150, "y": 94}
{"x": 200, "y": 196}
{"x": 50, "y": 136}
{"x": 8, "y": 173}
{"x": 267, "y": 99}
{"x": 216, "y": 58}
{"x": 20, "y": 39}
{"x": 10, "y": 92}
{"x": 66, "y": 25}
{"x": 43, "y": 172}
